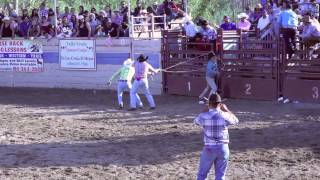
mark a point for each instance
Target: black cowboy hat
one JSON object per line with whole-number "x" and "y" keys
{"x": 142, "y": 58}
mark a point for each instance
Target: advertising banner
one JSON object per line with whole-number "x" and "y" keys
{"x": 77, "y": 54}
{"x": 21, "y": 56}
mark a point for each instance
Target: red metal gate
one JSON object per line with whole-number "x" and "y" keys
{"x": 301, "y": 75}
{"x": 185, "y": 65}
{"x": 250, "y": 69}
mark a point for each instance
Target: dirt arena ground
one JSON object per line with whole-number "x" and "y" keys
{"x": 72, "y": 134}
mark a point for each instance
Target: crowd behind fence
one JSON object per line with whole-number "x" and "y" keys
{"x": 44, "y": 22}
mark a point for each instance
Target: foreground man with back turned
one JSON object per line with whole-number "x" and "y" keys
{"x": 214, "y": 121}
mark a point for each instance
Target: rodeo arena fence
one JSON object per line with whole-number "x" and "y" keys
{"x": 250, "y": 67}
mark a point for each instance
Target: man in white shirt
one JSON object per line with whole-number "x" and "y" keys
{"x": 264, "y": 21}
{"x": 190, "y": 28}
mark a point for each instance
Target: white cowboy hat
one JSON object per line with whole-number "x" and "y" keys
{"x": 6, "y": 18}
{"x": 187, "y": 18}
{"x": 80, "y": 17}
{"x": 128, "y": 62}
{"x": 242, "y": 15}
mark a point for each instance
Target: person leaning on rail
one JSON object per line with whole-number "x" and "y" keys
{"x": 7, "y": 28}
{"x": 214, "y": 121}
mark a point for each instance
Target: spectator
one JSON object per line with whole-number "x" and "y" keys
{"x": 137, "y": 9}
{"x": 124, "y": 30}
{"x": 124, "y": 10}
{"x": 228, "y": 25}
{"x": 108, "y": 11}
{"x": 73, "y": 12}
{"x": 100, "y": 31}
{"x": 102, "y": 18}
{"x": 288, "y": 21}
{"x": 311, "y": 31}
{"x": 35, "y": 14}
{"x": 46, "y": 29}
{"x": 168, "y": 10}
{"x": 243, "y": 24}
{"x": 43, "y": 10}
{"x": 255, "y": 16}
{"x": 7, "y": 28}
{"x": 155, "y": 7}
{"x": 264, "y": 21}
{"x": 51, "y": 17}
{"x": 94, "y": 11}
{"x": 86, "y": 15}
{"x": 24, "y": 27}
{"x": 59, "y": 15}
{"x": 66, "y": 28}
{"x": 93, "y": 23}
{"x": 190, "y": 28}
{"x": 34, "y": 30}
{"x": 248, "y": 11}
{"x": 81, "y": 10}
{"x": 67, "y": 13}
{"x": 117, "y": 18}
{"x": 75, "y": 24}
{"x": 208, "y": 32}
{"x": 111, "y": 29}
{"x": 24, "y": 13}
{"x": 84, "y": 29}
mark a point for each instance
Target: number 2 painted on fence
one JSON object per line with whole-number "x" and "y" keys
{"x": 315, "y": 92}
{"x": 247, "y": 89}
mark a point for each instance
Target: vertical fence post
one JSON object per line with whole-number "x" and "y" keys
{"x": 165, "y": 21}
{"x": 132, "y": 26}
{"x": 152, "y": 26}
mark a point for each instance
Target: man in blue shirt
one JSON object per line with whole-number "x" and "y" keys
{"x": 214, "y": 121}
{"x": 288, "y": 21}
{"x": 211, "y": 75}
{"x": 228, "y": 25}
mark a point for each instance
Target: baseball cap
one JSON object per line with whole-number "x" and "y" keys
{"x": 215, "y": 98}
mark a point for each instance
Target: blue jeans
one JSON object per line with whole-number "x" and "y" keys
{"x": 122, "y": 86}
{"x": 144, "y": 86}
{"x": 217, "y": 154}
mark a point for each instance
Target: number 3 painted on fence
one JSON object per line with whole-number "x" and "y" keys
{"x": 315, "y": 94}
{"x": 248, "y": 89}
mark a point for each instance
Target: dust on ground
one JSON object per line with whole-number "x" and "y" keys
{"x": 73, "y": 134}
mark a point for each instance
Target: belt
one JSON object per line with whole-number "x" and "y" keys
{"x": 138, "y": 79}
{"x": 122, "y": 80}
{"x": 295, "y": 28}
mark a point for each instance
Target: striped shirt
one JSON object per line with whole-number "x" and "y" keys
{"x": 125, "y": 74}
{"x": 215, "y": 126}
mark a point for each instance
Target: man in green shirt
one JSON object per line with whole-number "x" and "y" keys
{"x": 125, "y": 74}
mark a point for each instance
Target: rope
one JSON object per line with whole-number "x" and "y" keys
{"x": 183, "y": 62}
{"x": 163, "y": 70}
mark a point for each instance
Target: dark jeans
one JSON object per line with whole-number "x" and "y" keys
{"x": 289, "y": 36}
